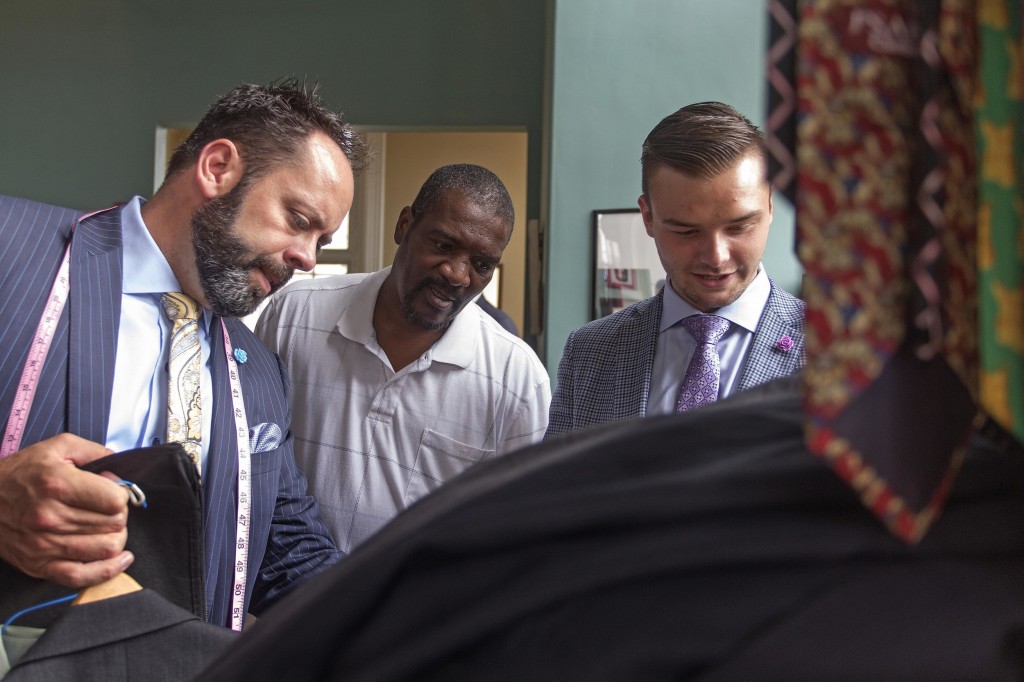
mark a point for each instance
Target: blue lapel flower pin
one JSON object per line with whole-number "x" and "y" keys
{"x": 242, "y": 356}
{"x": 785, "y": 344}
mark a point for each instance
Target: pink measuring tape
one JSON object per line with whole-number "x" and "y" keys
{"x": 25, "y": 394}
{"x": 47, "y": 329}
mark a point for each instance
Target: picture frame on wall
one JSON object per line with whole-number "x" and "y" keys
{"x": 627, "y": 268}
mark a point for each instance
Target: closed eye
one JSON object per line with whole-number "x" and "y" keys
{"x": 299, "y": 221}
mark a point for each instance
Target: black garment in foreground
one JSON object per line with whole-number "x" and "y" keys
{"x": 136, "y": 636}
{"x": 709, "y": 545}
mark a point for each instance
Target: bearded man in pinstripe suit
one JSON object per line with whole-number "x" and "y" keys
{"x": 707, "y": 204}
{"x": 264, "y": 180}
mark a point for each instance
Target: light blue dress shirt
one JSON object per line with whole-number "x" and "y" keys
{"x": 138, "y": 410}
{"x": 675, "y": 345}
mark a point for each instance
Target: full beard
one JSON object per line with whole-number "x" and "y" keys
{"x": 224, "y": 263}
{"x": 458, "y": 303}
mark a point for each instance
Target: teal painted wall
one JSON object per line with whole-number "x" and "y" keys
{"x": 86, "y": 82}
{"x": 619, "y": 68}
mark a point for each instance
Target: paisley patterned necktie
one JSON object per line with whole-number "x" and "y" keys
{"x": 184, "y": 407}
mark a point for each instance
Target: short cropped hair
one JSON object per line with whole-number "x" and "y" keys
{"x": 702, "y": 140}
{"x": 482, "y": 187}
{"x": 268, "y": 124}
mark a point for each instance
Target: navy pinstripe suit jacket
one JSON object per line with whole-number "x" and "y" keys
{"x": 605, "y": 371}
{"x": 288, "y": 541}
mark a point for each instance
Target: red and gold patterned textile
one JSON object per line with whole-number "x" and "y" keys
{"x": 886, "y": 204}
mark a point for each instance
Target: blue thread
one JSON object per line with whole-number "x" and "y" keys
{"x": 53, "y": 602}
{"x": 241, "y": 355}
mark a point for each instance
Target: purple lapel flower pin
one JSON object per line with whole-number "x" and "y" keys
{"x": 785, "y": 344}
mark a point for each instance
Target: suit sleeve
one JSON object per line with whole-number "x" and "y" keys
{"x": 560, "y": 416}
{"x": 299, "y": 544}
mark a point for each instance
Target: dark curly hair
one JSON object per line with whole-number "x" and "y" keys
{"x": 476, "y": 183}
{"x": 268, "y": 124}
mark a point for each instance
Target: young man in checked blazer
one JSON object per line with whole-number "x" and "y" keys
{"x": 707, "y": 204}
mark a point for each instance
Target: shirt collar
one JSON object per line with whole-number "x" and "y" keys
{"x": 745, "y": 311}
{"x": 146, "y": 270}
{"x": 456, "y": 347}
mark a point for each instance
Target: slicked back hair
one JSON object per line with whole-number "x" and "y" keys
{"x": 702, "y": 140}
{"x": 269, "y": 124}
{"x": 477, "y": 184}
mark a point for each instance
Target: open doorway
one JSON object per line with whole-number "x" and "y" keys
{"x": 403, "y": 159}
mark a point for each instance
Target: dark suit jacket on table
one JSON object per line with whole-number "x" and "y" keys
{"x": 137, "y": 636}
{"x": 605, "y": 371}
{"x": 287, "y": 538}
{"x": 706, "y": 545}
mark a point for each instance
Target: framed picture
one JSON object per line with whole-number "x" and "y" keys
{"x": 626, "y": 264}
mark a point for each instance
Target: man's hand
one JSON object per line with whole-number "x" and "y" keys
{"x": 58, "y": 522}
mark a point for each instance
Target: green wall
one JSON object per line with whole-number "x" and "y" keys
{"x": 87, "y": 82}
{"x": 619, "y": 68}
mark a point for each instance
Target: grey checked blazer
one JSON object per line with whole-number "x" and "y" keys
{"x": 288, "y": 539}
{"x": 605, "y": 371}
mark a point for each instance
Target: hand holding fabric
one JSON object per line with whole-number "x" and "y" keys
{"x": 58, "y": 522}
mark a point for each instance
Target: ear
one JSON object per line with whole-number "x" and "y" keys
{"x": 771, "y": 204}
{"x": 645, "y": 213}
{"x": 219, "y": 168}
{"x": 405, "y": 221}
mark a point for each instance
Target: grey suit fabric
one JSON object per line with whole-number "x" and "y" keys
{"x": 288, "y": 540}
{"x": 605, "y": 371}
{"x": 136, "y": 636}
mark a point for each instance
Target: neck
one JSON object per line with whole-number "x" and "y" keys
{"x": 167, "y": 216}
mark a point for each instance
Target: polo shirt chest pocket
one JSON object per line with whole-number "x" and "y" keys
{"x": 440, "y": 459}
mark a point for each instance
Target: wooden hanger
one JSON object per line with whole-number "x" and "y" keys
{"x": 122, "y": 583}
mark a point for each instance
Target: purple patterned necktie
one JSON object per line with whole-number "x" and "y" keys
{"x": 700, "y": 385}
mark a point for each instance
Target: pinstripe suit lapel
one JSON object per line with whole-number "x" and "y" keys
{"x": 219, "y": 477}
{"x": 94, "y": 310}
{"x": 634, "y": 353}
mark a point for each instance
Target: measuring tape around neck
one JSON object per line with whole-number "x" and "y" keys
{"x": 25, "y": 393}
{"x": 244, "y": 511}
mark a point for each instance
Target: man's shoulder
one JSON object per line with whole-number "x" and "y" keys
{"x": 784, "y": 302}
{"x": 27, "y": 210}
{"x": 319, "y": 286}
{"x": 648, "y": 310}
{"x": 317, "y": 294}
{"x": 493, "y": 335}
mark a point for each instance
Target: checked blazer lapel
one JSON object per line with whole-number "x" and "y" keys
{"x": 94, "y": 312}
{"x": 765, "y": 361}
{"x": 634, "y": 358}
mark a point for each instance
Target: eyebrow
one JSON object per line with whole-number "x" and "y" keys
{"x": 732, "y": 221}
{"x": 445, "y": 234}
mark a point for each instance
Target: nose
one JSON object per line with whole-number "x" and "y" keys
{"x": 456, "y": 272}
{"x": 301, "y": 255}
{"x": 715, "y": 251}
